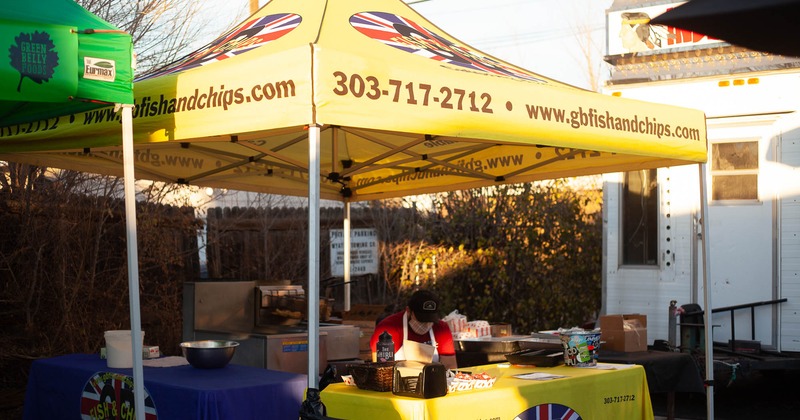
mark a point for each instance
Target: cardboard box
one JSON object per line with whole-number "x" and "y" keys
{"x": 500, "y": 330}
{"x": 364, "y": 351}
{"x": 150, "y": 352}
{"x": 361, "y": 312}
{"x": 363, "y": 340}
{"x": 626, "y": 333}
{"x": 359, "y": 323}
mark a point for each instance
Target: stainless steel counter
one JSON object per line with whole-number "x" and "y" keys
{"x": 227, "y": 310}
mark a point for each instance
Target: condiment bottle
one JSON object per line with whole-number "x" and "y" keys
{"x": 385, "y": 347}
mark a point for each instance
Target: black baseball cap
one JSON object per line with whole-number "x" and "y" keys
{"x": 425, "y": 305}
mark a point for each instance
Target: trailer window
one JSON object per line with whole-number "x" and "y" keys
{"x": 640, "y": 218}
{"x": 734, "y": 171}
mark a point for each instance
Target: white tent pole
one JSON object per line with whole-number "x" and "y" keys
{"x": 313, "y": 254}
{"x": 347, "y": 251}
{"x": 133, "y": 259}
{"x": 709, "y": 339}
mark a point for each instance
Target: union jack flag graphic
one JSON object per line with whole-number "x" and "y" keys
{"x": 406, "y": 35}
{"x": 109, "y": 395}
{"x": 246, "y": 37}
{"x": 548, "y": 412}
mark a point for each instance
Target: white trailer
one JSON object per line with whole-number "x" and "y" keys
{"x": 651, "y": 233}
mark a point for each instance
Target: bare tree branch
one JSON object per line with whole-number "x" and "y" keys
{"x": 162, "y": 30}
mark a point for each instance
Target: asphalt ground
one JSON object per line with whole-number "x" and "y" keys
{"x": 757, "y": 395}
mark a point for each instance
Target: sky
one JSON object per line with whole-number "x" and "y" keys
{"x": 543, "y": 36}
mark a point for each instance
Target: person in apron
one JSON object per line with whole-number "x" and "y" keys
{"x": 418, "y": 332}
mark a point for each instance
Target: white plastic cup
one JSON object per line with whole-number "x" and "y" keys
{"x": 118, "y": 348}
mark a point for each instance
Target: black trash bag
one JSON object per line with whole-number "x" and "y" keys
{"x": 313, "y": 408}
{"x": 328, "y": 377}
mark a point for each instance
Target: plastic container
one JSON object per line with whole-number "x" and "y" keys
{"x": 118, "y": 348}
{"x": 580, "y": 347}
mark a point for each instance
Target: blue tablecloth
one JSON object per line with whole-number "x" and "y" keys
{"x": 67, "y": 387}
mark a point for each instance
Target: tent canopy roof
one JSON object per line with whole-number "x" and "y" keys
{"x": 404, "y": 109}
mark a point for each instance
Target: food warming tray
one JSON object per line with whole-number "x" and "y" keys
{"x": 488, "y": 345}
{"x": 540, "y": 341}
{"x": 541, "y": 358}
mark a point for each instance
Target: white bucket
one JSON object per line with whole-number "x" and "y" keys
{"x": 118, "y": 348}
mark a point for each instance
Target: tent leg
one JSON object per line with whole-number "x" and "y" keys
{"x": 313, "y": 254}
{"x": 347, "y": 251}
{"x": 133, "y": 259}
{"x": 707, "y": 294}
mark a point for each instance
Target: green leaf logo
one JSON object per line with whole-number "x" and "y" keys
{"x": 34, "y": 57}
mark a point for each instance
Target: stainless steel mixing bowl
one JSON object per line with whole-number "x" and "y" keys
{"x": 209, "y": 354}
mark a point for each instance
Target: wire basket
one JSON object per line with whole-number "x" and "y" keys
{"x": 373, "y": 376}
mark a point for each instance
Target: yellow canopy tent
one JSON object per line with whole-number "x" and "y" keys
{"x": 358, "y": 100}
{"x": 402, "y": 108}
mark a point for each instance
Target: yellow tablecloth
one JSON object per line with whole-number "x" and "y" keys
{"x": 591, "y": 393}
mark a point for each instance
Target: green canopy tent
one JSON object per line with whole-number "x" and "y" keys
{"x": 355, "y": 100}
{"x": 62, "y": 59}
